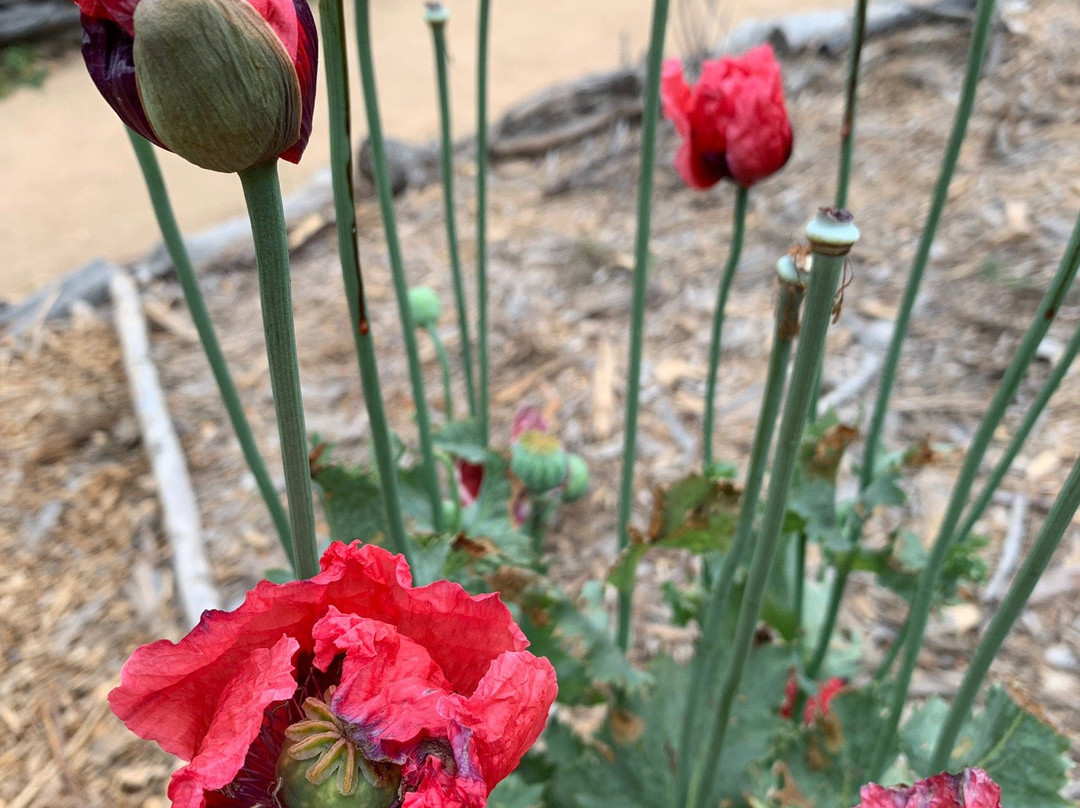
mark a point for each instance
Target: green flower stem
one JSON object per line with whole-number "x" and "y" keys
{"x": 738, "y": 228}
{"x": 928, "y": 579}
{"x": 976, "y": 53}
{"x": 851, "y": 100}
{"x": 1049, "y": 387}
{"x": 444, "y": 364}
{"x": 1057, "y": 522}
{"x": 481, "y": 211}
{"x": 438, "y": 34}
{"x": 831, "y": 235}
{"x": 397, "y": 268}
{"x": 332, "y": 23}
{"x": 898, "y": 643}
{"x": 637, "y": 311}
{"x": 979, "y": 37}
{"x": 538, "y": 514}
{"x": 185, "y": 272}
{"x": 710, "y": 647}
{"x": 262, "y": 192}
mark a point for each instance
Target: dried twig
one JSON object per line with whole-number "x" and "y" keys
{"x": 178, "y": 505}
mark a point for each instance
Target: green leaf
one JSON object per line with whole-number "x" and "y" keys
{"x": 632, "y": 764}
{"x": 826, "y": 763}
{"x": 1024, "y": 755}
{"x": 900, "y": 563}
{"x": 462, "y": 439}
{"x": 695, "y": 513}
{"x": 514, "y": 792}
{"x": 352, "y": 501}
{"x": 577, "y": 639}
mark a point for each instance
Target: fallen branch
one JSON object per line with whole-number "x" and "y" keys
{"x": 179, "y": 508}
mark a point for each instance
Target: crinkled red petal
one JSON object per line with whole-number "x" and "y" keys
{"x": 972, "y": 788}
{"x": 170, "y": 692}
{"x": 503, "y": 718}
{"x": 266, "y": 676}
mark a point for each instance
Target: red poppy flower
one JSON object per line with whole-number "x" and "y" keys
{"x": 818, "y": 703}
{"x": 427, "y": 693}
{"x": 246, "y": 97}
{"x": 972, "y": 788}
{"x": 733, "y": 121}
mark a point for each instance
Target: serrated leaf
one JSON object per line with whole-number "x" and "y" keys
{"x": 900, "y": 563}
{"x": 352, "y": 502}
{"x": 577, "y": 639}
{"x": 1024, "y": 755}
{"x": 826, "y": 763}
{"x": 695, "y": 513}
{"x": 632, "y": 764}
{"x": 462, "y": 439}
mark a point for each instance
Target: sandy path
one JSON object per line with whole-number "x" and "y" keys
{"x": 70, "y": 189}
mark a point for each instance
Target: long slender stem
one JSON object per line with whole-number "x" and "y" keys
{"x": 637, "y": 311}
{"x": 734, "y": 251}
{"x": 979, "y": 37}
{"x": 444, "y": 365}
{"x": 847, "y": 141}
{"x": 851, "y": 99}
{"x": 977, "y": 51}
{"x": 332, "y": 23}
{"x": 262, "y": 193}
{"x": 898, "y": 642}
{"x": 481, "y": 211}
{"x": 710, "y": 647}
{"x": 189, "y": 283}
{"x": 832, "y": 235}
{"x": 1049, "y": 387}
{"x": 928, "y": 579}
{"x": 397, "y": 268}
{"x": 1057, "y": 522}
{"x": 446, "y": 151}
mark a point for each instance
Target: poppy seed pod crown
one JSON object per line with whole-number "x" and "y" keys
{"x": 226, "y": 84}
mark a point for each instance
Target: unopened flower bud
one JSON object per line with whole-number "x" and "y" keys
{"x": 226, "y": 84}
{"x": 577, "y": 478}
{"x": 425, "y": 307}
{"x": 538, "y": 460}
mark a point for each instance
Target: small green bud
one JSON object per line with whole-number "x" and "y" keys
{"x": 538, "y": 460}
{"x": 451, "y": 515}
{"x": 425, "y": 307}
{"x": 577, "y": 478}
{"x": 216, "y": 83}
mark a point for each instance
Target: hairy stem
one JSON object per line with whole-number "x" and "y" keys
{"x": 397, "y": 268}
{"x": 446, "y": 152}
{"x": 734, "y": 251}
{"x": 331, "y": 21}
{"x": 263, "y": 195}
{"x": 189, "y": 283}
{"x": 637, "y": 309}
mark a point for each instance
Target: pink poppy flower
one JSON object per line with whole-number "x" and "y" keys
{"x": 426, "y": 693}
{"x": 972, "y": 788}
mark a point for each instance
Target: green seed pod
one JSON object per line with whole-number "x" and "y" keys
{"x": 425, "y": 307}
{"x": 216, "y": 83}
{"x": 320, "y": 766}
{"x": 538, "y": 460}
{"x": 577, "y": 478}
{"x": 451, "y": 515}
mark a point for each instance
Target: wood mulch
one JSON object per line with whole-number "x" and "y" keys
{"x": 86, "y": 575}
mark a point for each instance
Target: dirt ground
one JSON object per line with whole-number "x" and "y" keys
{"x": 86, "y": 573}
